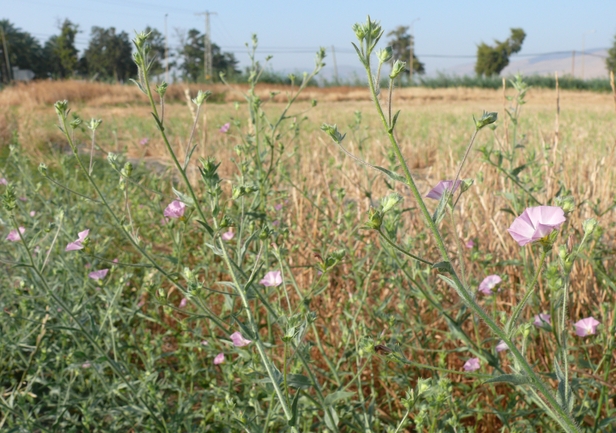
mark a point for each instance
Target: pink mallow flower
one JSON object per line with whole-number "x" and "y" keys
{"x": 469, "y": 243}
{"x": 238, "y": 340}
{"x": 225, "y": 128}
{"x": 272, "y": 279}
{"x": 436, "y": 192}
{"x": 183, "y": 302}
{"x": 13, "y": 236}
{"x": 219, "y": 359}
{"x": 3, "y": 181}
{"x": 78, "y": 244}
{"x": 227, "y": 236}
{"x": 98, "y": 275}
{"x": 501, "y": 346}
{"x": 489, "y": 283}
{"x": 175, "y": 209}
{"x": 536, "y": 223}
{"x": 472, "y": 364}
{"x": 144, "y": 141}
{"x": 542, "y": 320}
{"x": 32, "y": 213}
{"x": 586, "y": 327}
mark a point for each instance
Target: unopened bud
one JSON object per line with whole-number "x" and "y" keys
{"x": 385, "y": 54}
{"x": 397, "y": 69}
{"x": 486, "y": 119}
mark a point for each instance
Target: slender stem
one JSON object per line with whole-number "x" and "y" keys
{"x": 406, "y": 253}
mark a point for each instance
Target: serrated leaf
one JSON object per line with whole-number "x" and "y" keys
{"x": 513, "y": 379}
{"x": 188, "y": 201}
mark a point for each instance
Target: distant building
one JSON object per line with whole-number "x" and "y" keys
{"x": 22, "y": 74}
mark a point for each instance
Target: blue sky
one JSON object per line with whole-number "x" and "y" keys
{"x": 293, "y": 30}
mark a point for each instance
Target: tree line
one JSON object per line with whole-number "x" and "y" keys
{"x": 107, "y": 57}
{"x": 109, "y": 54}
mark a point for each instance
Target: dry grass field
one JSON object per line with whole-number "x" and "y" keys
{"x": 434, "y": 128}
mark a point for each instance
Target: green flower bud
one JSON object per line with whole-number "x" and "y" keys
{"x": 161, "y": 89}
{"x": 140, "y": 39}
{"x": 397, "y": 69}
{"x": 385, "y": 54}
{"x": 390, "y": 201}
{"x": 42, "y": 168}
{"x": 61, "y": 108}
{"x": 313, "y": 103}
{"x": 567, "y": 203}
{"x": 94, "y": 123}
{"x": 589, "y": 226}
{"x": 375, "y": 219}
{"x": 360, "y": 32}
{"x": 9, "y": 200}
{"x": 332, "y": 131}
{"x": 201, "y": 97}
{"x": 486, "y": 119}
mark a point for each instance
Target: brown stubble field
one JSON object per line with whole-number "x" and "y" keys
{"x": 434, "y": 128}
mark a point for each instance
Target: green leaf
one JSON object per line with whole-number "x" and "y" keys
{"x": 293, "y": 419}
{"x": 513, "y": 379}
{"x": 206, "y": 226}
{"x": 298, "y": 381}
{"x": 443, "y": 266}
{"x": 338, "y": 395}
{"x": 393, "y": 121}
{"x": 328, "y": 419}
{"x": 188, "y": 201}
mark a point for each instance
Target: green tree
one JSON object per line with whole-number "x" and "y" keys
{"x": 60, "y": 52}
{"x": 191, "y": 54}
{"x": 491, "y": 60}
{"x": 400, "y": 42}
{"x": 610, "y": 62}
{"x": 22, "y": 51}
{"x": 109, "y": 55}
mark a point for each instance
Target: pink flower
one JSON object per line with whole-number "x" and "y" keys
{"x": 536, "y": 223}
{"x": 227, "y": 236}
{"x": 586, "y": 327}
{"x": 489, "y": 283}
{"x": 436, "y": 192}
{"x": 224, "y": 128}
{"x": 272, "y": 279}
{"x": 278, "y": 206}
{"x": 219, "y": 359}
{"x": 115, "y": 260}
{"x": 183, "y": 302}
{"x": 13, "y": 236}
{"x": 86, "y": 365}
{"x": 98, "y": 275}
{"x": 175, "y": 209}
{"x": 276, "y": 223}
{"x": 78, "y": 244}
{"x": 472, "y": 364}
{"x": 32, "y": 213}
{"x": 238, "y": 340}
{"x": 469, "y": 243}
{"x": 501, "y": 346}
{"x": 542, "y": 320}
{"x": 204, "y": 343}
{"x": 144, "y": 141}
{"x": 3, "y": 181}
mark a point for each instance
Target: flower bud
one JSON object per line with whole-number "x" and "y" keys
{"x": 161, "y": 89}
{"x": 94, "y": 123}
{"x": 61, "y": 108}
{"x": 201, "y": 97}
{"x": 566, "y": 203}
{"x": 486, "y": 119}
{"x": 360, "y": 32}
{"x": 589, "y": 226}
{"x": 385, "y": 54}
{"x": 390, "y": 201}
{"x": 375, "y": 219}
{"x": 397, "y": 69}
{"x": 9, "y": 200}
{"x": 332, "y": 131}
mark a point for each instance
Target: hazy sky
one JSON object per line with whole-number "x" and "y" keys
{"x": 292, "y": 30}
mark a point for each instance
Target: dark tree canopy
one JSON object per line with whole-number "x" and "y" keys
{"x": 610, "y": 62}
{"x": 109, "y": 55}
{"x": 400, "y": 42}
{"x": 191, "y": 54}
{"x": 60, "y": 52}
{"x": 491, "y": 60}
{"x": 22, "y": 50}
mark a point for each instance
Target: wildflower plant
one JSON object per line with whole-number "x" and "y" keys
{"x": 536, "y": 225}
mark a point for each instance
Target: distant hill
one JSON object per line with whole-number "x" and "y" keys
{"x": 594, "y": 65}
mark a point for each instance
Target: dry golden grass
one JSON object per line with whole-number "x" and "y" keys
{"x": 433, "y": 130}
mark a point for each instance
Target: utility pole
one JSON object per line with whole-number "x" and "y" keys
{"x": 166, "y": 52}
{"x": 335, "y": 64}
{"x": 6, "y": 56}
{"x": 207, "y": 45}
{"x": 412, "y": 44}
{"x": 573, "y": 64}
